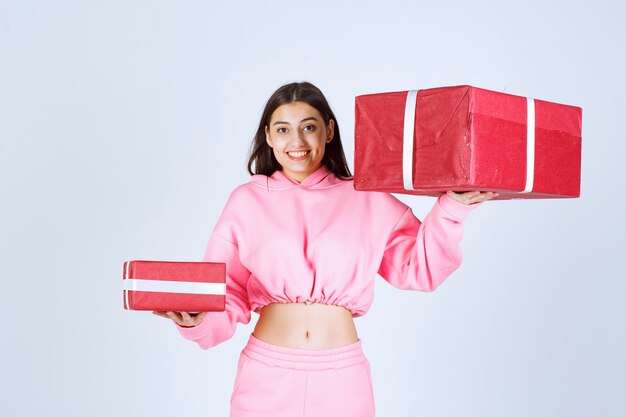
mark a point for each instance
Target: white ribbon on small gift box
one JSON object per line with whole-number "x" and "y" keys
{"x": 409, "y": 137}
{"x": 183, "y": 287}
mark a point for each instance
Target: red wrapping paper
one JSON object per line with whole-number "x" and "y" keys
{"x": 467, "y": 138}
{"x": 182, "y": 272}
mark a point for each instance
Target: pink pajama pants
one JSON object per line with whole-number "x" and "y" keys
{"x": 275, "y": 381}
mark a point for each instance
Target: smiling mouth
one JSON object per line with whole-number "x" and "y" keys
{"x": 298, "y": 154}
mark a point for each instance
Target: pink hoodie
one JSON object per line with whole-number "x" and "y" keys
{"x": 322, "y": 241}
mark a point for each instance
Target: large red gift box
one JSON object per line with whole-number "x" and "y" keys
{"x": 465, "y": 138}
{"x": 174, "y": 286}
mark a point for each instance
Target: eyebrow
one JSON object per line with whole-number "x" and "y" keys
{"x": 303, "y": 120}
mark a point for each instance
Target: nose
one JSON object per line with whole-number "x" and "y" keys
{"x": 298, "y": 137}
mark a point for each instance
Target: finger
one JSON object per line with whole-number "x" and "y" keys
{"x": 199, "y": 318}
{"x": 472, "y": 197}
{"x": 459, "y": 197}
{"x": 174, "y": 316}
{"x": 185, "y": 317}
{"x": 160, "y": 314}
{"x": 478, "y": 199}
{"x": 485, "y": 197}
{"x": 189, "y": 320}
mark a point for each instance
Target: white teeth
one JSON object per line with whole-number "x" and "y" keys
{"x": 298, "y": 154}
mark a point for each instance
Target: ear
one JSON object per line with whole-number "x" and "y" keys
{"x": 330, "y": 131}
{"x": 267, "y": 137}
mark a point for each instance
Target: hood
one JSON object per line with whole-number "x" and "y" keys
{"x": 320, "y": 178}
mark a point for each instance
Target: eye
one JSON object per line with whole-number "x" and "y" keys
{"x": 309, "y": 128}
{"x": 282, "y": 130}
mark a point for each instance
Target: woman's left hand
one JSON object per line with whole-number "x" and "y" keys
{"x": 472, "y": 197}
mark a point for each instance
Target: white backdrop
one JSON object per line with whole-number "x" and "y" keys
{"x": 125, "y": 125}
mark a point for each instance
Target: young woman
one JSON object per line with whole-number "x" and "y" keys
{"x": 302, "y": 249}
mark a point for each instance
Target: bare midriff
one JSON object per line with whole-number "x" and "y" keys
{"x": 306, "y": 326}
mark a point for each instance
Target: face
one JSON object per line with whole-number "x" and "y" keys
{"x": 298, "y": 136}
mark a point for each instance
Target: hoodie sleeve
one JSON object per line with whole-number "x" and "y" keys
{"x": 219, "y": 326}
{"x": 421, "y": 255}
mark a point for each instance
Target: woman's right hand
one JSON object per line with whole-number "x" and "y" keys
{"x": 182, "y": 318}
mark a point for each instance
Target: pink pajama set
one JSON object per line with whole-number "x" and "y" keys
{"x": 317, "y": 241}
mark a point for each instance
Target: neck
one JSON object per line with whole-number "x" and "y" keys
{"x": 298, "y": 180}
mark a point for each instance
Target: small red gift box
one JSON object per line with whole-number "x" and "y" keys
{"x": 464, "y": 138}
{"x": 174, "y": 286}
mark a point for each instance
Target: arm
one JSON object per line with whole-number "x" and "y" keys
{"x": 219, "y": 326}
{"x": 421, "y": 255}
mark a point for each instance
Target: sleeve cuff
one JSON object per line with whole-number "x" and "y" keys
{"x": 454, "y": 209}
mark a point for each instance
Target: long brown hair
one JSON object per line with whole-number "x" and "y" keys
{"x": 262, "y": 156}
